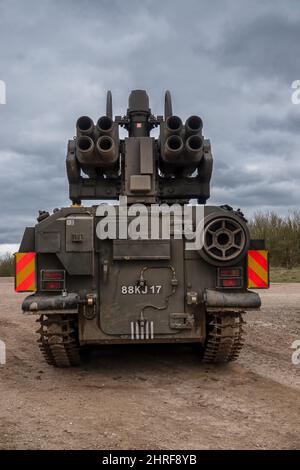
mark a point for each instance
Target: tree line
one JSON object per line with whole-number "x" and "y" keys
{"x": 282, "y": 236}
{"x": 281, "y": 233}
{"x": 7, "y": 265}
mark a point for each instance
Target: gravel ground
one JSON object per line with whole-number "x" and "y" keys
{"x": 154, "y": 397}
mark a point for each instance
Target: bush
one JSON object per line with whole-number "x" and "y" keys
{"x": 7, "y": 265}
{"x": 282, "y": 235}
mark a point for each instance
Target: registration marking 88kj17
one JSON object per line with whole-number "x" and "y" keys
{"x": 131, "y": 289}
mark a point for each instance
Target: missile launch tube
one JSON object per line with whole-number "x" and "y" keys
{"x": 106, "y": 150}
{"x": 173, "y": 148}
{"x": 84, "y": 126}
{"x": 105, "y": 126}
{"x": 173, "y": 126}
{"x": 193, "y": 149}
{"x": 85, "y": 150}
{"x": 193, "y": 125}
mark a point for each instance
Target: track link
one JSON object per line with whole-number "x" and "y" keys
{"x": 59, "y": 340}
{"x": 225, "y": 337}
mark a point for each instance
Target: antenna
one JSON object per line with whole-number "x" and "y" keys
{"x": 109, "y": 110}
{"x": 168, "y": 104}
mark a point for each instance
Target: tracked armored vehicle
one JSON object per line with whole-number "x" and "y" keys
{"x": 97, "y": 274}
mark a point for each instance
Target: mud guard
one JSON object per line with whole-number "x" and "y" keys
{"x": 37, "y": 304}
{"x": 218, "y": 300}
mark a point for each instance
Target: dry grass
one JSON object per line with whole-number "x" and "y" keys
{"x": 285, "y": 275}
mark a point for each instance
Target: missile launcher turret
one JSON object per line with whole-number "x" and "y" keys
{"x": 144, "y": 264}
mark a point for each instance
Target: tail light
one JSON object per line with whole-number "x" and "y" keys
{"x": 231, "y": 282}
{"x": 53, "y": 280}
{"x": 230, "y": 278}
{"x": 230, "y": 272}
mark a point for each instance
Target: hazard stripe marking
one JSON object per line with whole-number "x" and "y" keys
{"x": 260, "y": 257}
{"x": 28, "y": 269}
{"x": 28, "y": 283}
{"x": 255, "y": 278}
{"x": 258, "y": 269}
{"x": 25, "y": 272}
{"x": 23, "y": 260}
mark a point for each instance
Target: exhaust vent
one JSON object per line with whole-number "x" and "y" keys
{"x": 226, "y": 239}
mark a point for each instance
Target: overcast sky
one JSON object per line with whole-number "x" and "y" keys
{"x": 231, "y": 62}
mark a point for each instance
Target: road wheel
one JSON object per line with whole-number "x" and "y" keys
{"x": 59, "y": 339}
{"x": 225, "y": 337}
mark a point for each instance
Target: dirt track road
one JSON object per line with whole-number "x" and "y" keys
{"x": 154, "y": 397}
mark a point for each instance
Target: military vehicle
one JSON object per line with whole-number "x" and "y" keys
{"x": 89, "y": 290}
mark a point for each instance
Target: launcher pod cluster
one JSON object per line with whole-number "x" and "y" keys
{"x": 91, "y": 290}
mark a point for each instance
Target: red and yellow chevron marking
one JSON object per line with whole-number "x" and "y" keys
{"x": 258, "y": 269}
{"x": 25, "y": 272}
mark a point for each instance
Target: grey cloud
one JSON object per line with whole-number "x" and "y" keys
{"x": 264, "y": 46}
{"x": 281, "y": 123}
{"x": 266, "y": 146}
{"x": 259, "y": 196}
{"x": 228, "y": 177}
{"x": 58, "y": 58}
